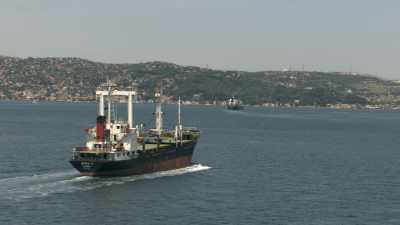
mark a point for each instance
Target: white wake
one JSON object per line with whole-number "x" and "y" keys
{"x": 26, "y": 187}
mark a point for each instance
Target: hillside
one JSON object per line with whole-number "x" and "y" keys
{"x": 76, "y": 79}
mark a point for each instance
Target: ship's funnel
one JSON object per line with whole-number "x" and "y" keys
{"x": 100, "y": 127}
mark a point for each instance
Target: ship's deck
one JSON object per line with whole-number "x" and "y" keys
{"x": 145, "y": 147}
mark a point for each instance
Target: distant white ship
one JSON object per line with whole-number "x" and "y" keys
{"x": 373, "y": 107}
{"x": 234, "y": 104}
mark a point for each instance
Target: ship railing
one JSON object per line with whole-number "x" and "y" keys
{"x": 80, "y": 149}
{"x": 86, "y": 149}
{"x": 91, "y": 155}
{"x": 78, "y": 156}
{"x": 191, "y": 129}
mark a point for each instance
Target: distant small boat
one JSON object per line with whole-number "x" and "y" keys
{"x": 234, "y": 104}
{"x": 395, "y": 107}
{"x": 376, "y": 107}
{"x": 34, "y": 102}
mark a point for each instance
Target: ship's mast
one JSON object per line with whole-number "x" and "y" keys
{"x": 178, "y": 127}
{"x": 130, "y": 111}
{"x": 179, "y": 111}
{"x": 158, "y": 113}
{"x": 101, "y": 105}
{"x": 109, "y": 105}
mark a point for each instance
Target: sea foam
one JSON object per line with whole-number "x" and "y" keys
{"x": 42, "y": 185}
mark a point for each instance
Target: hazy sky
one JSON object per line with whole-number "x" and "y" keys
{"x": 341, "y": 35}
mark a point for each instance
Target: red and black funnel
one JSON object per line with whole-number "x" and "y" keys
{"x": 100, "y": 127}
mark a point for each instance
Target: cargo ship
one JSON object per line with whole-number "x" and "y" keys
{"x": 117, "y": 147}
{"x": 234, "y": 104}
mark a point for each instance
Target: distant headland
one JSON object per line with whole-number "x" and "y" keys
{"x": 75, "y": 79}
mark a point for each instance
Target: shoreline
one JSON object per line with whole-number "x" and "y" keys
{"x": 378, "y": 107}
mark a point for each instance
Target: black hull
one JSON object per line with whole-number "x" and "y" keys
{"x": 235, "y": 107}
{"x": 148, "y": 162}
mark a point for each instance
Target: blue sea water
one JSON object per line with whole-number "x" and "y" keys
{"x": 256, "y": 166}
